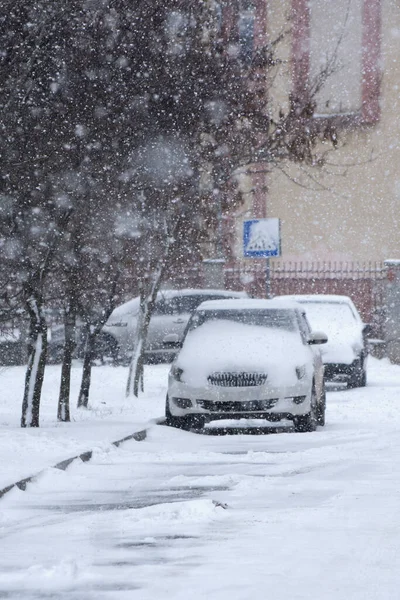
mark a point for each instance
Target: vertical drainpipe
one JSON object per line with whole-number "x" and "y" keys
{"x": 392, "y": 310}
{"x": 301, "y": 18}
{"x": 214, "y": 268}
{"x": 259, "y": 208}
{"x": 258, "y": 178}
{"x": 229, "y": 35}
{"x": 371, "y": 57}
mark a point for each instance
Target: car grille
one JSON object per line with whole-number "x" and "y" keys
{"x": 237, "y": 379}
{"x": 237, "y": 407}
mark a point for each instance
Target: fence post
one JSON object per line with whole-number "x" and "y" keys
{"x": 214, "y": 275}
{"x": 267, "y": 278}
{"x": 391, "y": 303}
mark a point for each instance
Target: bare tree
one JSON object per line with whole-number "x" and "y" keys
{"x": 147, "y": 107}
{"x": 32, "y": 236}
{"x": 222, "y": 125}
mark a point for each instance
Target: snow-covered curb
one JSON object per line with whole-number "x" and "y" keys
{"x": 138, "y": 436}
{"x": 110, "y": 416}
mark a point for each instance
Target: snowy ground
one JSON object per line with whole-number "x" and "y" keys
{"x": 110, "y": 417}
{"x": 284, "y": 516}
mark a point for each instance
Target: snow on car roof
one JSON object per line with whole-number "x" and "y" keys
{"x": 319, "y": 298}
{"x": 248, "y": 304}
{"x": 325, "y": 302}
{"x": 132, "y": 305}
{"x": 201, "y": 292}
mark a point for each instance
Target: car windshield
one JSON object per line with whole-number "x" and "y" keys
{"x": 328, "y": 315}
{"x": 182, "y": 304}
{"x": 270, "y": 318}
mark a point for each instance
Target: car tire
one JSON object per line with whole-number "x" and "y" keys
{"x": 55, "y": 355}
{"x": 106, "y": 349}
{"x": 188, "y": 422}
{"x": 307, "y": 423}
{"x": 363, "y": 381}
{"x": 321, "y": 412}
{"x": 358, "y": 377}
{"x": 321, "y": 408}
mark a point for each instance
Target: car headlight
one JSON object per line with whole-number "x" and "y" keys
{"x": 301, "y": 372}
{"x": 176, "y": 373}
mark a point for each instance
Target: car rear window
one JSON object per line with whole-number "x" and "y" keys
{"x": 321, "y": 314}
{"x": 271, "y": 318}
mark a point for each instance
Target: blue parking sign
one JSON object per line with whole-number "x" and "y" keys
{"x": 261, "y": 238}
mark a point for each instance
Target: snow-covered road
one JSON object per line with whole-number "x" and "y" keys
{"x": 283, "y": 516}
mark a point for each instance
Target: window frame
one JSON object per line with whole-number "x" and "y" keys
{"x": 369, "y": 112}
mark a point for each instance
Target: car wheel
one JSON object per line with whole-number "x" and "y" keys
{"x": 187, "y": 422}
{"x": 363, "y": 379}
{"x": 169, "y": 418}
{"x": 358, "y": 377}
{"x": 55, "y": 355}
{"x": 196, "y": 422}
{"x": 321, "y": 408}
{"x": 305, "y": 423}
{"x": 308, "y": 422}
{"x": 106, "y": 349}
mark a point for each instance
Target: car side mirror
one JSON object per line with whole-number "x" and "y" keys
{"x": 172, "y": 340}
{"x": 367, "y": 329}
{"x": 317, "y": 337}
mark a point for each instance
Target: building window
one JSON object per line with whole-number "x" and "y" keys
{"x": 336, "y": 41}
{"x": 348, "y": 33}
{"x": 176, "y": 31}
{"x": 246, "y": 25}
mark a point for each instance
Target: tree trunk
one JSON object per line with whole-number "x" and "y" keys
{"x": 83, "y": 398}
{"x": 147, "y": 301}
{"x": 93, "y": 328}
{"x": 136, "y": 366}
{"x": 37, "y": 349}
{"x": 63, "y": 412}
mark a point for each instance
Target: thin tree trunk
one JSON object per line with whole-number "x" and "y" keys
{"x": 37, "y": 343}
{"x": 136, "y": 367}
{"x": 63, "y": 412}
{"x": 135, "y": 375}
{"x": 83, "y": 398}
{"x": 92, "y": 330}
{"x": 37, "y": 349}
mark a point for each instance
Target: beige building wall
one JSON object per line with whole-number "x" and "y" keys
{"x": 350, "y": 210}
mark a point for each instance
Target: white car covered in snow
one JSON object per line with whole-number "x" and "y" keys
{"x": 248, "y": 359}
{"x": 345, "y": 354}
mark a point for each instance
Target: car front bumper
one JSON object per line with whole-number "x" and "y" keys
{"x": 260, "y": 402}
{"x": 337, "y": 372}
{"x": 158, "y": 355}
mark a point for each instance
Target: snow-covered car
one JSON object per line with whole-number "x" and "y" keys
{"x": 171, "y": 314}
{"x": 248, "y": 359}
{"x": 345, "y": 354}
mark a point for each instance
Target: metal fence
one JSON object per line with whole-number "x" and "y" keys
{"x": 363, "y": 282}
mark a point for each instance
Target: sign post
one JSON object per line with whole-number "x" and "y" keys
{"x": 262, "y": 239}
